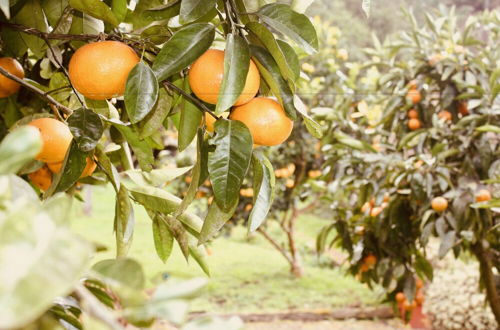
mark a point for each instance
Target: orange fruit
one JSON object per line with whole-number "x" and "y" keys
{"x": 439, "y": 204}
{"x": 248, "y": 207}
{"x": 413, "y": 84}
{"x": 413, "y": 114}
{"x": 445, "y": 115}
{"x": 414, "y": 96}
{"x": 266, "y": 120}
{"x": 372, "y": 202}
{"x": 370, "y": 260}
{"x": 376, "y": 211}
{"x": 386, "y": 197}
{"x": 419, "y": 298}
{"x": 99, "y": 70}
{"x": 290, "y": 183}
{"x": 206, "y": 73}
{"x": 41, "y": 178}
{"x": 210, "y": 121}
{"x": 56, "y": 138}
{"x": 89, "y": 168}
{"x": 400, "y": 297}
{"x": 409, "y": 306}
{"x": 364, "y": 268}
{"x": 9, "y": 86}
{"x": 463, "y": 108}
{"x": 483, "y": 195}
{"x": 414, "y": 124}
{"x": 313, "y": 174}
{"x": 419, "y": 283}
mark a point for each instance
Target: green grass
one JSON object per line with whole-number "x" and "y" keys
{"x": 248, "y": 275}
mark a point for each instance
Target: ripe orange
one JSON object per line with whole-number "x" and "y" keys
{"x": 419, "y": 298}
{"x": 9, "y": 86}
{"x": 313, "y": 174}
{"x": 414, "y": 124}
{"x": 41, "y": 178}
{"x": 413, "y": 114}
{"x": 248, "y": 207}
{"x": 386, "y": 197}
{"x": 206, "y": 73}
{"x": 445, "y": 115}
{"x": 400, "y": 297}
{"x": 56, "y": 138}
{"x": 414, "y": 96}
{"x": 463, "y": 108}
{"x": 266, "y": 120}
{"x": 419, "y": 283}
{"x": 370, "y": 260}
{"x": 210, "y": 121}
{"x": 248, "y": 192}
{"x": 439, "y": 204}
{"x": 99, "y": 70}
{"x": 413, "y": 84}
{"x": 366, "y": 206}
{"x": 364, "y": 268}
{"x": 89, "y": 168}
{"x": 290, "y": 183}
{"x": 408, "y": 307}
{"x": 483, "y": 195}
{"x": 376, "y": 211}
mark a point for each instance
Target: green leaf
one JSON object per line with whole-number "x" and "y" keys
{"x": 97, "y": 9}
{"x": 86, "y": 127}
{"x": 214, "y": 221}
{"x": 263, "y": 187}
{"x": 185, "y": 46}
{"x": 163, "y": 239}
{"x": 190, "y": 120}
{"x": 272, "y": 75}
{"x": 159, "y": 200}
{"x": 352, "y": 143}
{"x": 294, "y": 25}
{"x": 236, "y": 65}
{"x": 119, "y": 9}
{"x": 198, "y": 173}
{"x": 124, "y": 222}
{"x": 31, "y": 15}
{"x": 493, "y": 203}
{"x": 141, "y": 148}
{"x": 178, "y": 231}
{"x": 424, "y": 267}
{"x": 267, "y": 38}
{"x": 73, "y": 165}
{"x": 199, "y": 256}
{"x": 488, "y": 128}
{"x": 49, "y": 260}
{"x": 154, "y": 120}
{"x": 301, "y": 6}
{"x": 124, "y": 271}
{"x": 292, "y": 59}
{"x": 229, "y": 163}
{"x": 312, "y": 126}
{"x": 141, "y": 92}
{"x": 447, "y": 242}
{"x": 18, "y": 148}
{"x": 191, "y": 10}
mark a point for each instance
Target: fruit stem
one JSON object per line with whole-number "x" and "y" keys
{"x": 36, "y": 90}
{"x": 169, "y": 86}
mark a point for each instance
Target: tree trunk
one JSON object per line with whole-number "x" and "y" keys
{"x": 486, "y": 273}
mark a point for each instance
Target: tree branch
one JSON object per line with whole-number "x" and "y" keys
{"x": 169, "y": 86}
{"x": 275, "y": 244}
{"x": 488, "y": 278}
{"x": 37, "y": 91}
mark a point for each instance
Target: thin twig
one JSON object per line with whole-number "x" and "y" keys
{"x": 168, "y": 85}
{"x": 36, "y": 90}
{"x": 275, "y": 244}
{"x": 66, "y": 73}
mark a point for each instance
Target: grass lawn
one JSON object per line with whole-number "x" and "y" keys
{"x": 248, "y": 275}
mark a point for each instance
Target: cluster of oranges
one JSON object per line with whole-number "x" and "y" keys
{"x": 56, "y": 139}
{"x": 286, "y": 173}
{"x": 246, "y": 192}
{"x": 265, "y": 118}
{"x": 372, "y": 209}
{"x": 407, "y": 306}
{"x": 368, "y": 263}
{"x": 440, "y": 204}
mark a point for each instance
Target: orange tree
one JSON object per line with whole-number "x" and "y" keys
{"x": 412, "y": 149}
{"x": 100, "y": 82}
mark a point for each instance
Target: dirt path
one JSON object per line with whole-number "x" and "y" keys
{"x": 327, "y": 325}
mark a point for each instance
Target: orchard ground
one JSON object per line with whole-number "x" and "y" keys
{"x": 248, "y": 275}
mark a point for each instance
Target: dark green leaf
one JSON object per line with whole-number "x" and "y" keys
{"x": 73, "y": 165}
{"x": 214, "y": 221}
{"x": 124, "y": 222}
{"x": 294, "y": 25}
{"x": 182, "y": 49}
{"x": 267, "y": 38}
{"x": 86, "y": 127}
{"x": 97, "y": 9}
{"x": 141, "y": 148}
{"x": 154, "y": 120}
{"x": 191, "y": 10}
{"x": 163, "y": 239}
{"x": 263, "y": 187}
{"x": 141, "y": 92}
{"x": 447, "y": 242}
{"x": 189, "y": 122}
{"x": 119, "y": 8}
{"x": 236, "y": 65}
{"x": 229, "y": 163}
{"x": 32, "y": 15}
{"x": 272, "y": 75}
